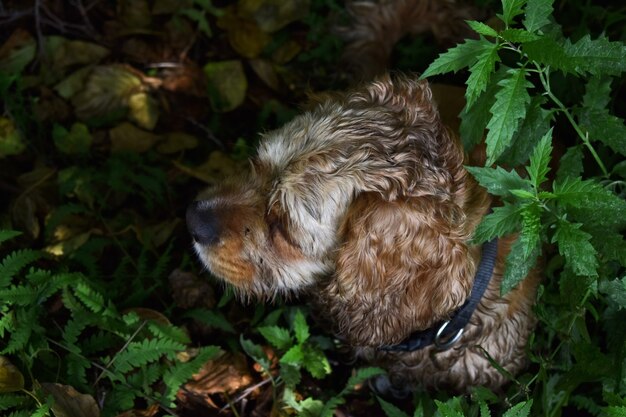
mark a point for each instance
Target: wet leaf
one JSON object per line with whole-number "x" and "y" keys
{"x": 11, "y": 140}
{"x": 75, "y": 141}
{"x": 272, "y": 15}
{"x": 227, "y": 84}
{"x": 70, "y": 403}
{"x": 128, "y": 137}
{"x": 177, "y": 141}
{"x": 11, "y": 379}
{"x": 143, "y": 110}
{"x": 17, "y": 52}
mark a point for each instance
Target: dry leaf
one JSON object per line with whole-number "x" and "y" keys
{"x": 69, "y": 245}
{"x": 189, "y": 290}
{"x": 11, "y": 379}
{"x": 228, "y": 373}
{"x": 177, "y": 141}
{"x": 11, "y": 141}
{"x": 148, "y": 412}
{"x": 149, "y": 315}
{"x": 272, "y": 15}
{"x": 70, "y": 403}
{"x": 244, "y": 35}
{"x": 227, "y": 84}
{"x": 128, "y": 137}
{"x": 17, "y": 52}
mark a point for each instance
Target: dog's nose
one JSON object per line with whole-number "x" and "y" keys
{"x": 202, "y": 223}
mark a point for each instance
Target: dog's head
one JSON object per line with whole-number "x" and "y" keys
{"x": 365, "y": 195}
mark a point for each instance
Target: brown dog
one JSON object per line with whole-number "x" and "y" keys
{"x": 363, "y": 204}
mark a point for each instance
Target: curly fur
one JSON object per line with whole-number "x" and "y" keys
{"x": 363, "y": 205}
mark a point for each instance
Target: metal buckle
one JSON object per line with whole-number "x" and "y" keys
{"x": 446, "y": 344}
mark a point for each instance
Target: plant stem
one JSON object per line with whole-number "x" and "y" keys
{"x": 583, "y": 135}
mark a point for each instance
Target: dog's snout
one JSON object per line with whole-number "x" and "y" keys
{"x": 202, "y": 223}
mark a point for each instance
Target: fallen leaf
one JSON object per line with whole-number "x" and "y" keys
{"x": 70, "y": 403}
{"x": 11, "y": 140}
{"x": 244, "y": 35}
{"x": 265, "y": 70}
{"x": 17, "y": 52}
{"x": 24, "y": 214}
{"x": 177, "y": 141}
{"x": 217, "y": 167}
{"x": 143, "y": 110}
{"x": 134, "y": 14}
{"x": 160, "y": 233}
{"x": 273, "y": 15}
{"x": 149, "y": 314}
{"x": 227, "y": 84}
{"x": 226, "y": 374}
{"x": 189, "y": 290}
{"x": 148, "y": 412}
{"x": 128, "y": 137}
{"x": 69, "y": 245}
{"x": 286, "y": 52}
{"x": 11, "y": 379}
{"x": 73, "y": 83}
{"x": 61, "y": 54}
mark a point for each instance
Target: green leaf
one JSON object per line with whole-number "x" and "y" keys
{"x": 615, "y": 411}
{"x": 518, "y": 35}
{"x": 615, "y": 290}
{"x": 256, "y": 352}
{"x": 8, "y": 234}
{"x": 480, "y": 73}
{"x": 290, "y": 373}
{"x": 574, "y": 288}
{"x": 277, "y": 336}
{"x": 571, "y": 163}
{"x": 179, "y": 373}
{"x": 213, "y": 318}
{"x": 294, "y": 356}
{"x": 509, "y": 108}
{"x": 537, "y": 14}
{"x": 550, "y": 52}
{"x": 315, "y": 362}
{"x": 574, "y": 245}
{"x": 14, "y": 262}
{"x": 300, "y": 328}
{"x": 362, "y": 375}
{"x": 502, "y": 221}
{"x": 481, "y": 28}
{"x": 597, "y": 93}
{"x": 519, "y": 262}
{"x": 458, "y": 57}
{"x": 451, "y": 408}
{"x": 510, "y": 9}
{"x": 604, "y": 127}
{"x": 138, "y": 354}
{"x": 484, "y": 409}
{"x": 540, "y": 159}
{"x": 474, "y": 118}
{"x": 91, "y": 298}
{"x": 390, "y": 409}
{"x": 499, "y": 181}
{"x": 519, "y": 410}
{"x": 590, "y": 203}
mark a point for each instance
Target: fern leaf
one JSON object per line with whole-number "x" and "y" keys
{"x": 76, "y": 370}
{"x": 458, "y": 57}
{"x": 22, "y": 332}
{"x": 168, "y": 331}
{"x": 510, "y": 107}
{"x": 12, "y": 400}
{"x": 6, "y": 321}
{"x": 14, "y": 262}
{"x": 537, "y": 14}
{"x": 362, "y": 375}
{"x": 8, "y": 235}
{"x": 180, "y": 373}
{"x": 138, "y": 354}
{"x": 119, "y": 399}
{"x": 74, "y": 328}
{"x": 19, "y": 295}
{"x": 451, "y": 408}
{"x": 93, "y": 300}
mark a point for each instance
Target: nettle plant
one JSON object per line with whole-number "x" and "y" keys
{"x": 515, "y": 71}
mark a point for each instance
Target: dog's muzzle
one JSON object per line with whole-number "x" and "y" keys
{"x": 202, "y": 223}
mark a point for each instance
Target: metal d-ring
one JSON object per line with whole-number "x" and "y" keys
{"x": 446, "y": 344}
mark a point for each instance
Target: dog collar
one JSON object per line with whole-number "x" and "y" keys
{"x": 446, "y": 333}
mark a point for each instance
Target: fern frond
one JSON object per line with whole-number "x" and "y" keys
{"x": 141, "y": 353}
{"x": 12, "y": 400}
{"x": 180, "y": 373}
{"x": 14, "y": 262}
{"x": 8, "y": 235}
{"x": 20, "y": 295}
{"x": 77, "y": 367}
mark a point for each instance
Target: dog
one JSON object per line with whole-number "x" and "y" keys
{"x": 363, "y": 205}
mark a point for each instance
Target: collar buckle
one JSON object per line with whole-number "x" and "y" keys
{"x": 442, "y": 342}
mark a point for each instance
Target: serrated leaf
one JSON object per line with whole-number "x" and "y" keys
{"x": 316, "y": 362}
{"x": 14, "y": 262}
{"x": 290, "y": 373}
{"x": 458, "y": 57}
{"x": 523, "y": 194}
{"x": 574, "y": 244}
{"x": 474, "y": 118}
{"x": 481, "y": 28}
{"x": 518, "y": 35}
{"x": 518, "y": 264}
{"x": 511, "y": 9}
{"x": 451, "y": 408}
{"x": 597, "y": 93}
{"x": 502, "y": 221}
{"x": 277, "y": 336}
{"x": 519, "y": 410}
{"x": 179, "y": 373}
{"x": 539, "y": 160}
{"x": 615, "y": 290}
{"x": 294, "y": 356}
{"x": 604, "y": 127}
{"x": 550, "y": 52}
{"x": 480, "y": 73}
{"x": 499, "y": 181}
{"x": 300, "y": 327}
{"x": 509, "y": 108}
{"x": 615, "y": 411}
{"x": 390, "y": 410}
{"x": 590, "y": 202}
{"x": 484, "y": 409}
{"x": 8, "y": 235}
{"x": 537, "y": 14}
{"x": 138, "y": 354}
{"x": 255, "y": 352}
{"x": 571, "y": 163}
{"x": 363, "y": 374}
{"x": 574, "y": 288}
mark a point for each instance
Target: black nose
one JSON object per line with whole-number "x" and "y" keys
{"x": 202, "y": 223}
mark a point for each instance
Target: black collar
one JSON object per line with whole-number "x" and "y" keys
{"x": 446, "y": 333}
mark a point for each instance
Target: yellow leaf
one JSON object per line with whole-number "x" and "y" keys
{"x": 177, "y": 141}
{"x": 244, "y": 35}
{"x": 227, "y": 84}
{"x": 143, "y": 110}
{"x": 11, "y": 141}
{"x": 127, "y": 137}
{"x": 11, "y": 379}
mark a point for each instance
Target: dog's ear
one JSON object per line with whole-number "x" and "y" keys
{"x": 403, "y": 266}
